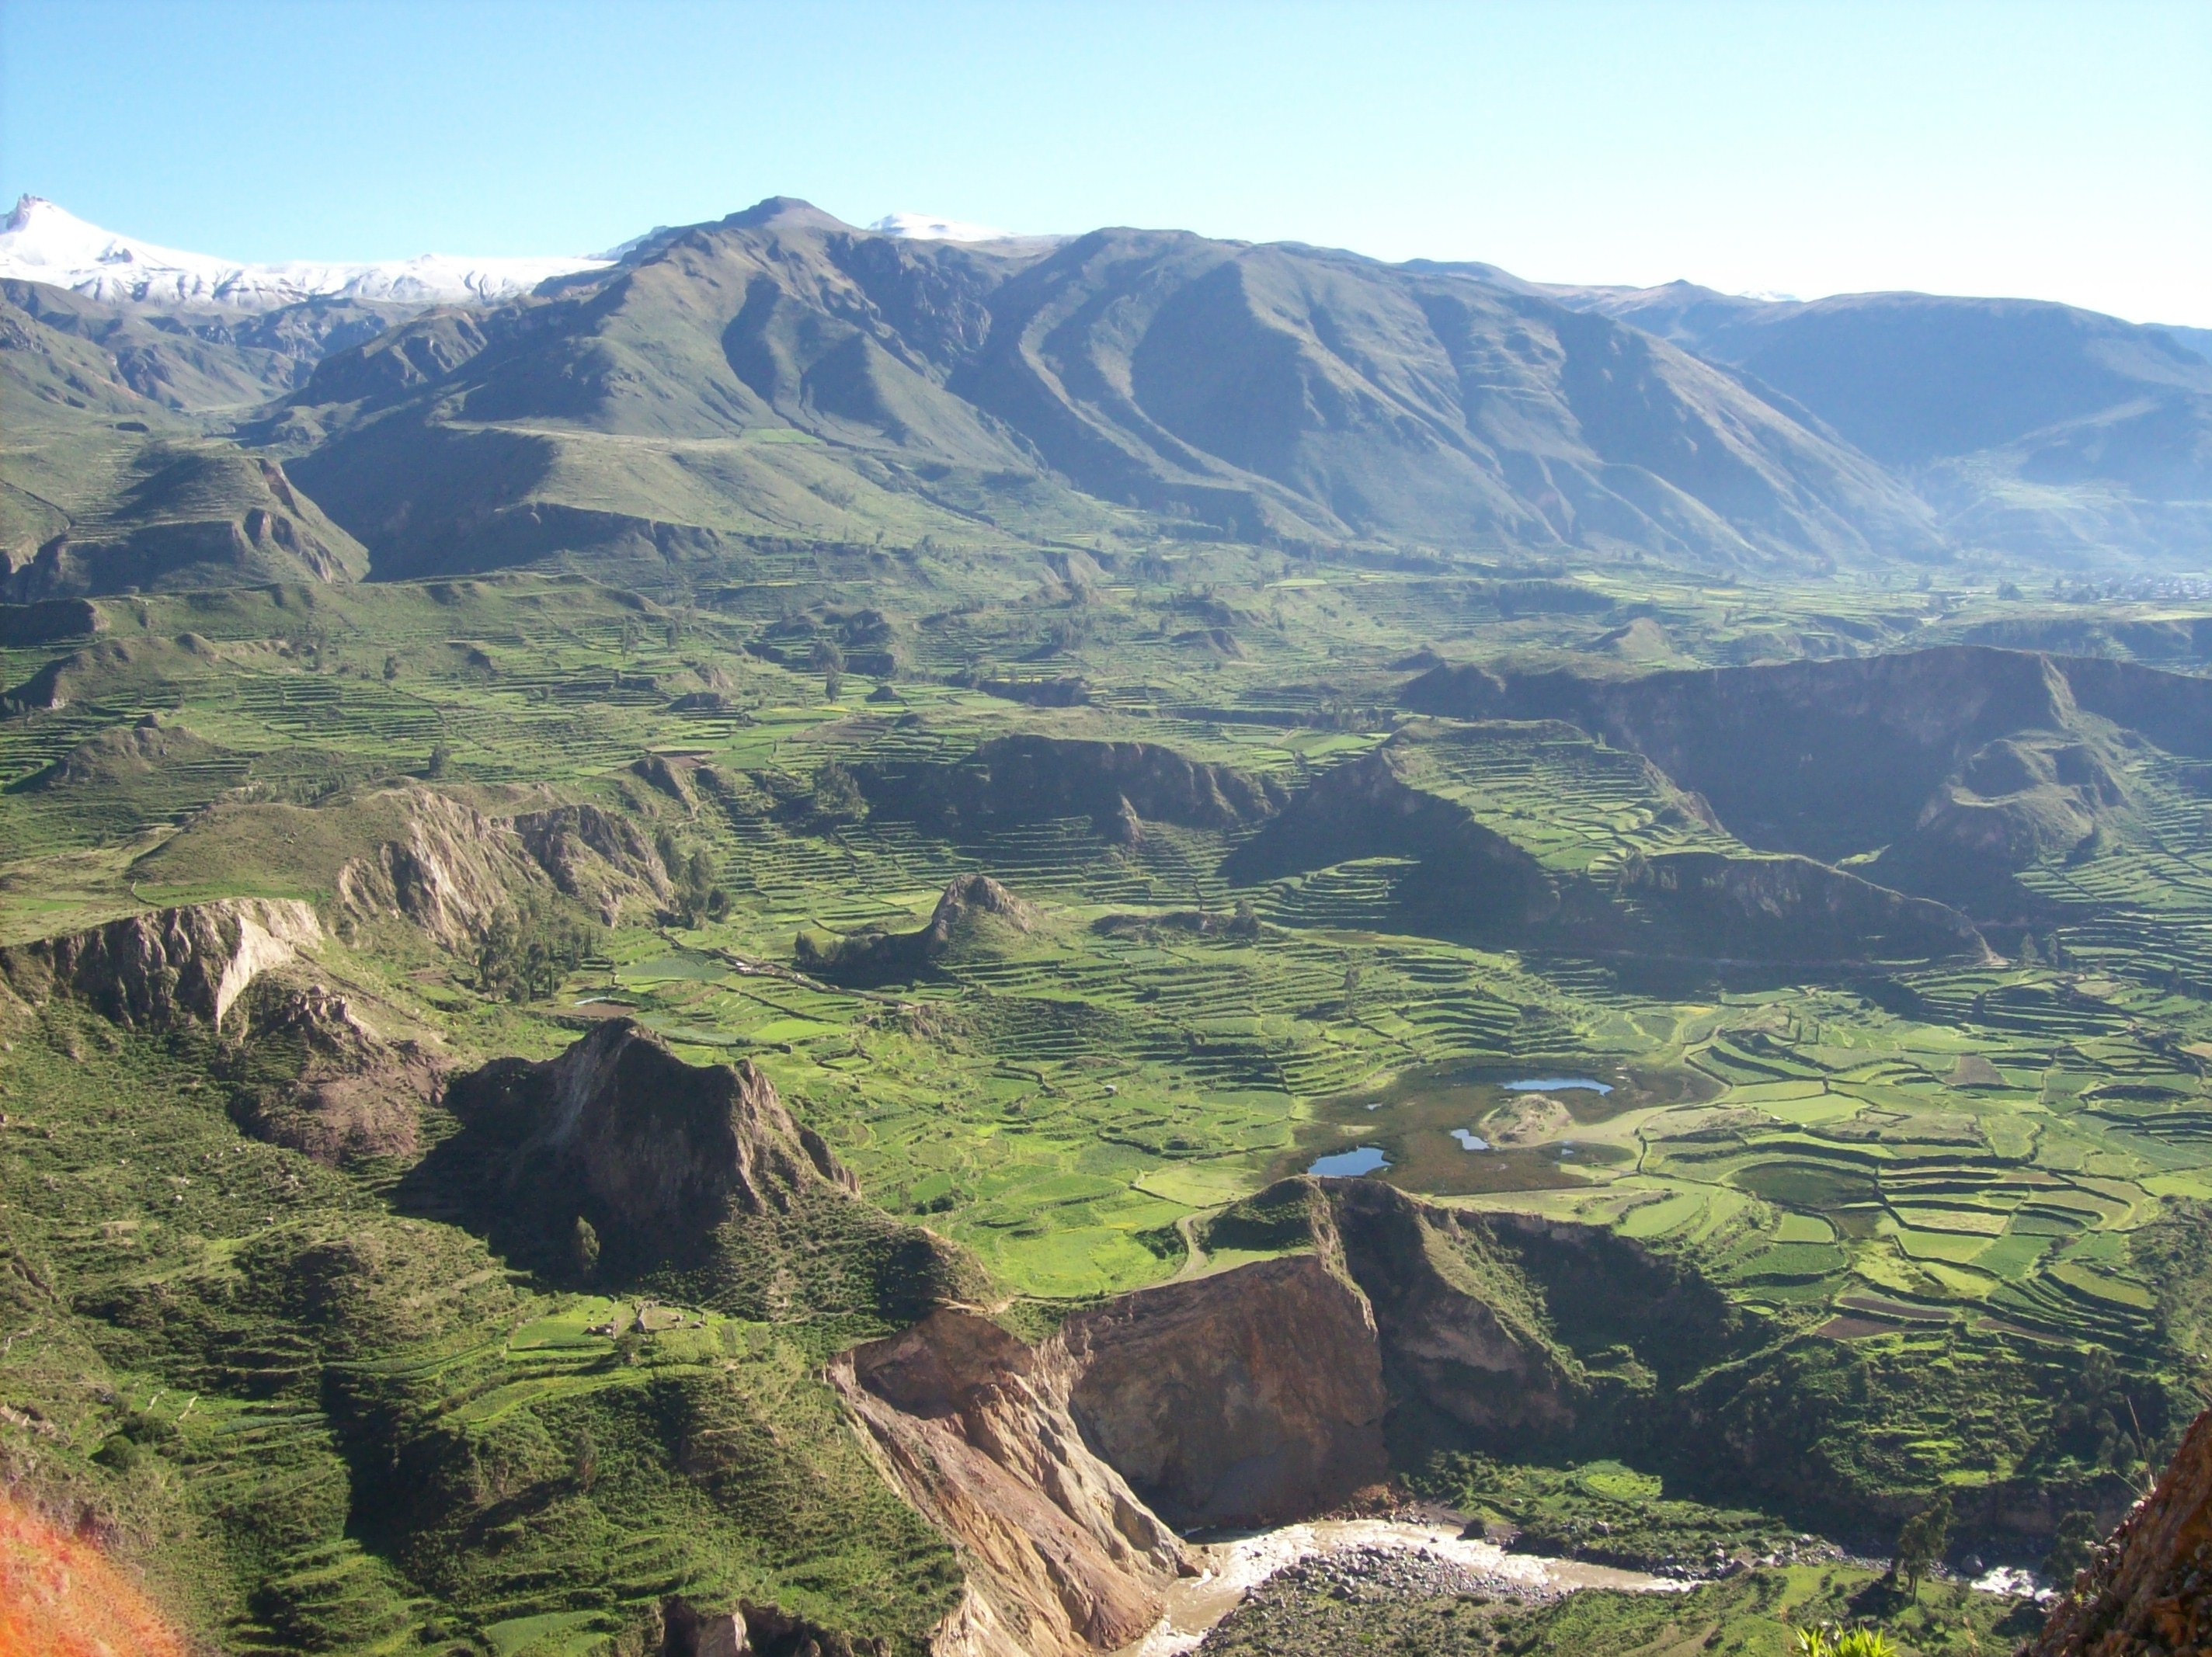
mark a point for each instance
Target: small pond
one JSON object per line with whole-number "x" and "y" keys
{"x": 1344, "y": 1164}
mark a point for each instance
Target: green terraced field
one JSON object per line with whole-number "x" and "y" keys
{"x": 1935, "y": 1185}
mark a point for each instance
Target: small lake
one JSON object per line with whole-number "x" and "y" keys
{"x": 1558, "y": 1085}
{"x": 1347, "y": 1164}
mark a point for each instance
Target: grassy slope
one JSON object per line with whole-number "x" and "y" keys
{"x": 1960, "y": 1231}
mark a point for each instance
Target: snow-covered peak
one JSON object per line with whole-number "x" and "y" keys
{"x": 40, "y": 242}
{"x": 922, "y": 226}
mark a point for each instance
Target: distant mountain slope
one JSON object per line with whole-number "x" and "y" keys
{"x": 781, "y": 375}
{"x": 2029, "y": 425}
{"x": 204, "y": 363}
{"x": 1270, "y": 391}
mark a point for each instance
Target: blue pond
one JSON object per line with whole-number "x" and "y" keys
{"x": 1469, "y": 1140}
{"x": 1557, "y": 1084}
{"x": 1365, "y": 1159}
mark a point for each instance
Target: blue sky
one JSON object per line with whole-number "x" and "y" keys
{"x": 2051, "y": 151}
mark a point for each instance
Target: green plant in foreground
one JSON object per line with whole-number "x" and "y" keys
{"x": 1831, "y": 1640}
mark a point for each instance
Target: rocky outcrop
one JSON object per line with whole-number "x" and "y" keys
{"x": 655, "y": 1152}
{"x": 1789, "y": 908}
{"x": 1403, "y": 800}
{"x": 975, "y": 1427}
{"x": 595, "y": 857}
{"x": 451, "y": 870}
{"x": 1468, "y": 1343}
{"x": 1028, "y": 778}
{"x": 1368, "y": 808}
{"x": 454, "y": 867}
{"x": 1261, "y": 1393}
{"x": 2149, "y": 1590}
{"x": 169, "y": 967}
{"x": 971, "y": 909}
{"x": 346, "y": 1092}
{"x": 1982, "y": 751}
{"x": 756, "y": 1630}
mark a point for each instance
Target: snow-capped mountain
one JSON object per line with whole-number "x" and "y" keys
{"x": 923, "y": 227}
{"x": 40, "y": 242}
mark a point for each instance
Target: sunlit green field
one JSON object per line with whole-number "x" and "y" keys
{"x": 1951, "y": 1182}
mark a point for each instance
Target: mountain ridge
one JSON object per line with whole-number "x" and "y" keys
{"x": 855, "y": 385}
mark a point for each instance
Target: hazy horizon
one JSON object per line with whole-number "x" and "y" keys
{"x": 2038, "y": 152}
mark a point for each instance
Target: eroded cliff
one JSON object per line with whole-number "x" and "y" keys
{"x": 975, "y": 1427}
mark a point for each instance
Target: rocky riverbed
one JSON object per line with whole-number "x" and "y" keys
{"x": 1267, "y": 1577}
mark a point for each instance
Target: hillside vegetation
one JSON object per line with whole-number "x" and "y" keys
{"x": 814, "y": 940}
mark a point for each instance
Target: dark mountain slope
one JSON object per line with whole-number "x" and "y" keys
{"x": 842, "y": 383}
{"x": 2028, "y": 424}
{"x": 1959, "y": 764}
{"x": 1910, "y": 378}
{"x": 1369, "y": 399}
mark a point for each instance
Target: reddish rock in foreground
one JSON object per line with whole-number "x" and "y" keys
{"x": 2150, "y": 1589}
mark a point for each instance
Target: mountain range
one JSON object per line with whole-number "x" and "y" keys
{"x": 780, "y": 374}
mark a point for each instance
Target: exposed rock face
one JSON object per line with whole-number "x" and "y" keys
{"x": 976, "y": 1428}
{"x": 969, "y": 905}
{"x": 595, "y": 856}
{"x": 1829, "y": 758}
{"x": 454, "y": 868}
{"x": 752, "y": 1630}
{"x": 170, "y": 967}
{"x": 1400, "y": 800}
{"x": 1257, "y": 1394}
{"x": 449, "y": 875}
{"x": 354, "y": 1095}
{"x": 1025, "y": 778}
{"x": 696, "y": 1179}
{"x": 2150, "y": 1589}
{"x": 655, "y": 1152}
{"x": 1249, "y": 1397}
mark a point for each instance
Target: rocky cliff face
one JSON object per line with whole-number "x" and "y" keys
{"x": 341, "y": 1091}
{"x": 452, "y": 868}
{"x": 696, "y": 1179}
{"x": 1474, "y": 1350}
{"x": 2150, "y": 1589}
{"x": 1246, "y": 1399}
{"x": 1255, "y": 1395}
{"x": 1791, "y": 908}
{"x": 169, "y": 967}
{"x": 1065, "y": 1560}
{"x": 594, "y": 856}
{"x": 449, "y": 873}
